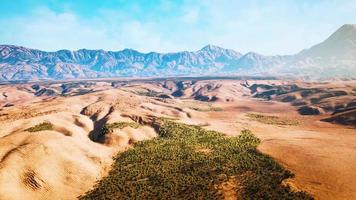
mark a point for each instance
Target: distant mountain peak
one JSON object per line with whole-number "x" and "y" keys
{"x": 211, "y": 47}
{"x": 347, "y": 31}
{"x": 131, "y": 51}
{"x": 348, "y": 26}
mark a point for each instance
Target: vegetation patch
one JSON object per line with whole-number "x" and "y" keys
{"x": 201, "y": 106}
{"x": 170, "y": 167}
{"x": 273, "y": 120}
{"x": 148, "y": 93}
{"x": 206, "y": 109}
{"x": 41, "y": 127}
{"x": 107, "y": 128}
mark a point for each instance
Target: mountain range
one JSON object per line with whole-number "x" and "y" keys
{"x": 333, "y": 58}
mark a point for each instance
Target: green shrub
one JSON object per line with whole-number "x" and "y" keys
{"x": 41, "y": 127}
{"x": 170, "y": 167}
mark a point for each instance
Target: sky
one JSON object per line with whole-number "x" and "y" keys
{"x": 268, "y": 27}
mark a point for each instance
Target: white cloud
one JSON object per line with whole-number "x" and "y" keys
{"x": 48, "y": 30}
{"x": 277, "y": 27}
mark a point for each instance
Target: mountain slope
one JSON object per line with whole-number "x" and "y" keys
{"x": 333, "y": 58}
{"x": 340, "y": 45}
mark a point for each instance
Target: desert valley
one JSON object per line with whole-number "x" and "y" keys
{"x": 56, "y": 142}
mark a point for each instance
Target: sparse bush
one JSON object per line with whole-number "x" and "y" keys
{"x": 170, "y": 167}
{"x": 273, "y": 120}
{"x": 41, "y": 127}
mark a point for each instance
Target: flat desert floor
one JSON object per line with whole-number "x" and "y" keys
{"x": 307, "y": 127}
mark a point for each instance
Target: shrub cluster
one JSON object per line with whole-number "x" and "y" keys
{"x": 107, "y": 128}
{"x": 171, "y": 167}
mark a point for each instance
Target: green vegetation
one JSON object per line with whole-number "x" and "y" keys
{"x": 107, "y": 128}
{"x": 273, "y": 120}
{"x": 188, "y": 162}
{"x": 41, "y": 127}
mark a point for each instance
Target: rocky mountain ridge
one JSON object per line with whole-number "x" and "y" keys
{"x": 333, "y": 58}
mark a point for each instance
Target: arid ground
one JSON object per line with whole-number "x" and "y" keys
{"x": 51, "y": 144}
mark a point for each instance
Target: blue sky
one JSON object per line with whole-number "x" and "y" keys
{"x": 267, "y": 27}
